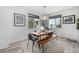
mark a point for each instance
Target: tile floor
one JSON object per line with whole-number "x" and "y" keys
{"x": 61, "y": 45}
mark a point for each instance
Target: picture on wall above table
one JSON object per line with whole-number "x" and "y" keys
{"x": 19, "y": 19}
{"x": 69, "y": 19}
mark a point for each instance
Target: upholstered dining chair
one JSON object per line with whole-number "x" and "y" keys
{"x": 33, "y": 39}
{"x": 46, "y": 40}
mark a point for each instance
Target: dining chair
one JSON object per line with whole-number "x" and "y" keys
{"x": 44, "y": 41}
{"x": 33, "y": 39}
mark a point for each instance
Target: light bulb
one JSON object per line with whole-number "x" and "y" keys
{"x": 45, "y": 17}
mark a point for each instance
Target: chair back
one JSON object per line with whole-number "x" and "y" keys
{"x": 31, "y": 37}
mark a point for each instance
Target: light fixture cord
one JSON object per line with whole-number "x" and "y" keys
{"x": 44, "y": 10}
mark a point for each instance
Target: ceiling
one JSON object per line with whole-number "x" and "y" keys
{"x": 49, "y": 9}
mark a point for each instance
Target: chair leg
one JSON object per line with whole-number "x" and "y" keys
{"x": 39, "y": 46}
{"x": 56, "y": 39}
{"x": 43, "y": 48}
{"x": 32, "y": 45}
{"x": 27, "y": 43}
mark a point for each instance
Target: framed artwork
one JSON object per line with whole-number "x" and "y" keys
{"x": 19, "y": 19}
{"x": 69, "y": 19}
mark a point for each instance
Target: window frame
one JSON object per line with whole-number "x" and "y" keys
{"x": 32, "y": 17}
{"x": 56, "y": 16}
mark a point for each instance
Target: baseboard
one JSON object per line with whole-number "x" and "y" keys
{"x": 14, "y": 43}
{"x": 4, "y": 46}
{"x": 70, "y": 39}
{"x": 11, "y": 45}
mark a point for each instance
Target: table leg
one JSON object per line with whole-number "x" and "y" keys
{"x": 39, "y": 46}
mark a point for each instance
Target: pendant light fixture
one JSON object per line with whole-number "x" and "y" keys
{"x": 45, "y": 17}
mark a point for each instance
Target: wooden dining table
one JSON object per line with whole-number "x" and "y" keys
{"x": 39, "y": 34}
{"x": 46, "y": 36}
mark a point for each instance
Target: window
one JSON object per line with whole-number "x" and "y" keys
{"x": 55, "y": 22}
{"x": 33, "y": 21}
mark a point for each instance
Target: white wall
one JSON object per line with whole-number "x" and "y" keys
{"x": 9, "y": 33}
{"x": 69, "y": 30}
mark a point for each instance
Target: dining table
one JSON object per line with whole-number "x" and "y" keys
{"x": 44, "y": 36}
{"x": 42, "y": 33}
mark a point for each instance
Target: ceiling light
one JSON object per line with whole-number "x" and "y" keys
{"x": 45, "y": 17}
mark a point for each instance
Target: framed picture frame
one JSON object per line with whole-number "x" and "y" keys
{"x": 19, "y": 19}
{"x": 69, "y": 19}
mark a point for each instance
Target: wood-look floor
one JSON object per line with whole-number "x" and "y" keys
{"x": 61, "y": 45}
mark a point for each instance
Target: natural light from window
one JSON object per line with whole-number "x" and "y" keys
{"x": 54, "y": 23}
